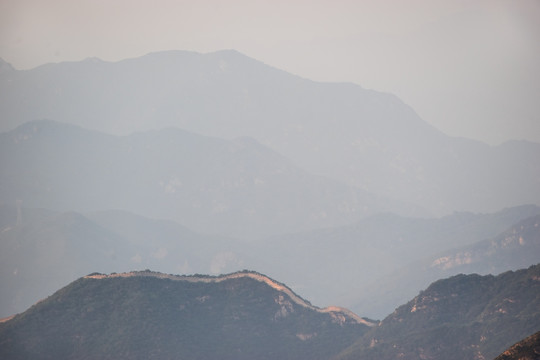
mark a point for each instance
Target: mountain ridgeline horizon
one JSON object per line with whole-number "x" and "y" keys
{"x": 249, "y": 315}
{"x": 364, "y": 138}
{"x": 233, "y": 187}
{"x": 243, "y": 315}
{"x": 189, "y": 163}
{"x": 384, "y": 259}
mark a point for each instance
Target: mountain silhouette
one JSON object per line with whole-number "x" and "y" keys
{"x": 368, "y": 139}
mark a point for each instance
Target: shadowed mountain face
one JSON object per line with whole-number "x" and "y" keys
{"x": 463, "y": 317}
{"x": 154, "y": 316}
{"x": 237, "y": 187}
{"x": 364, "y": 138}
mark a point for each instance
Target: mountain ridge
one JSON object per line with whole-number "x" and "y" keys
{"x": 515, "y": 247}
{"x": 119, "y": 241}
{"x": 234, "y": 187}
{"x": 360, "y": 137}
{"x": 382, "y": 258}
{"x": 461, "y": 317}
{"x": 238, "y": 275}
{"x": 149, "y": 315}
{"x": 246, "y": 315}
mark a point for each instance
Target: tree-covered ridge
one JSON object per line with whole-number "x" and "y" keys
{"x": 346, "y": 315}
{"x": 247, "y": 315}
{"x": 147, "y": 315}
{"x": 462, "y": 317}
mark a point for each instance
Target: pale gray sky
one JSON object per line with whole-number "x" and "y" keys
{"x": 469, "y": 67}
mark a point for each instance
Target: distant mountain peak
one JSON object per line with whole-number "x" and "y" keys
{"x": 227, "y": 52}
{"x": 93, "y": 59}
{"x": 5, "y": 66}
{"x": 359, "y": 137}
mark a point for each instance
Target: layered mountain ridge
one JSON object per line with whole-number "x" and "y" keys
{"x": 40, "y": 250}
{"x": 516, "y": 247}
{"x": 183, "y": 162}
{"x": 246, "y": 314}
{"x": 462, "y": 317}
{"x": 229, "y": 187}
{"x": 360, "y": 137}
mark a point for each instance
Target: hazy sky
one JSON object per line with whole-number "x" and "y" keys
{"x": 469, "y": 67}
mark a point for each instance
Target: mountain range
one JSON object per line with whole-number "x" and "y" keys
{"x": 462, "y": 317}
{"x": 230, "y": 187}
{"x": 188, "y": 163}
{"x": 384, "y": 260}
{"x": 376, "y": 264}
{"x": 515, "y": 248}
{"x": 41, "y": 250}
{"x": 360, "y": 137}
{"x": 246, "y": 315}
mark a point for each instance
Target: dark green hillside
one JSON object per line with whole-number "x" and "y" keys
{"x": 463, "y": 317}
{"x": 153, "y": 316}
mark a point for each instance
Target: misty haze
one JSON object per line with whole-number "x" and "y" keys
{"x": 209, "y": 205}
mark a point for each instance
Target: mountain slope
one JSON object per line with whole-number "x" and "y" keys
{"x": 361, "y": 137}
{"x": 463, "y": 317}
{"x": 155, "y": 316}
{"x": 515, "y": 248}
{"x": 237, "y": 188}
{"x": 42, "y": 250}
{"x": 526, "y": 349}
{"x": 378, "y": 263}
{"x": 47, "y": 250}
{"x": 248, "y": 315}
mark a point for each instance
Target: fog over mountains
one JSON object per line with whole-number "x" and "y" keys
{"x": 462, "y": 317}
{"x": 512, "y": 249}
{"x": 247, "y": 315}
{"x": 184, "y": 163}
{"x": 370, "y": 267}
{"x": 233, "y": 187}
{"x": 360, "y": 137}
